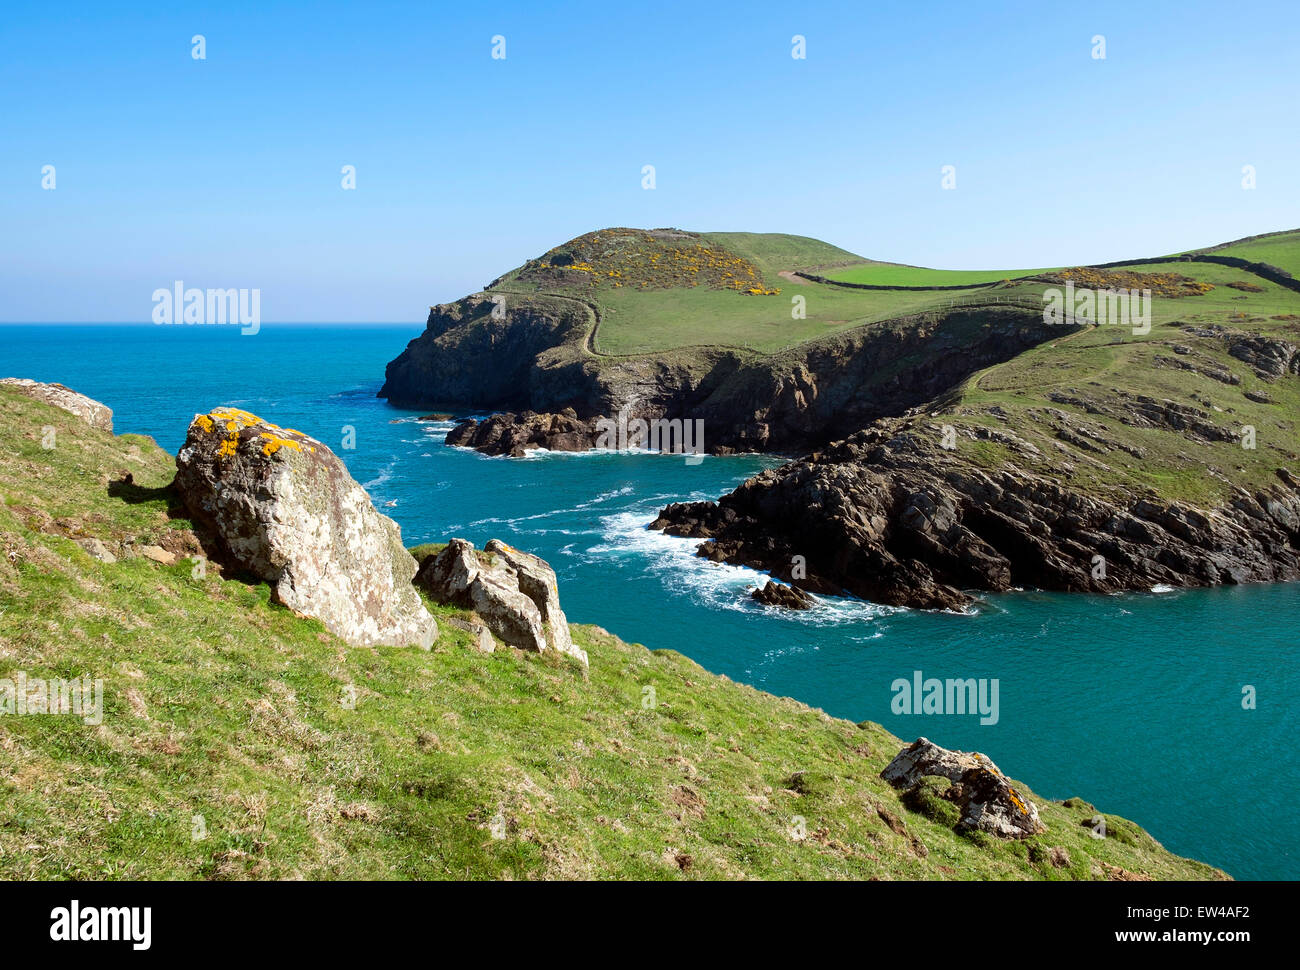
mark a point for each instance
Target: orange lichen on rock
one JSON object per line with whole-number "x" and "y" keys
{"x": 274, "y": 443}
{"x": 236, "y": 420}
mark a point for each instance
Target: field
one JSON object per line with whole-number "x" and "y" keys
{"x": 894, "y": 274}
{"x": 777, "y": 252}
{"x": 1096, "y": 375}
{"x": 225, "y": 752}
{"x": 1280, "y": 249}
{"x": 632, "y": 323}
{"x": 635, "y": 323}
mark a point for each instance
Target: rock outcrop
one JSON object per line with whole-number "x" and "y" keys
{"x": 517, "y": 434}
{"x": 890, "y": 516}
{"x": 92, "y": 412}
{"x": 513, "y": 592}
{"x": 778, "y": 594}
{"x": 1269, "y": 357}
{"x": 986, "y": 799}
{"x": 283, "y": 507}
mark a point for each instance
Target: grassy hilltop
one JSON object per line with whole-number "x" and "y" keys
{"x": 661, "y": 290}
{"x": 222, "y": 705}
{"x": 672, "y": 297}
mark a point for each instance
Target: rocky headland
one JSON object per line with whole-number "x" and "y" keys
{"x": 891, "y": 516}
{"x": 972, "y": 446}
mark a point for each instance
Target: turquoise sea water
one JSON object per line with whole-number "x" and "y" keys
{"x": 1132, "y": 702}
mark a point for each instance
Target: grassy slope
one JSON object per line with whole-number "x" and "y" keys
{"x": 775, "y": 252}
{"x": 220, "y": 704}
{"x": 646, "y": 310}
{"x": 636, "y": 323}
{"x": 895, "y": 274}
{"x": 1104, "y": 364}
{"x": 643, "y": 313}
{"x": 1280, "y": 249}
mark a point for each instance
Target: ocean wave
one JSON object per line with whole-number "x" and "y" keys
{"x": 719, "y": 586}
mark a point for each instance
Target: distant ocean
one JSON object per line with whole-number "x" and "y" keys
{"x": 1132, "y": 702}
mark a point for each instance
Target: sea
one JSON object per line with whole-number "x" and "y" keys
{"x": 1174, "y": 708}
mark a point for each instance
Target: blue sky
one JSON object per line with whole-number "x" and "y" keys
{"x": 225, "y": 172}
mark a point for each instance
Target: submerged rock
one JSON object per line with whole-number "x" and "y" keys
{"x": 91, "y": 411}
{"x": 283, "y": 507}
{"x": 987, "y": 801}
{"x": 513, "y": 592}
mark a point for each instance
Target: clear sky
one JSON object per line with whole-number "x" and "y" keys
{"x": 226, "y": 171}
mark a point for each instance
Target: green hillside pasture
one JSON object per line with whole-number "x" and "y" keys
{"x": 895, "y": 274}
{"x": 656, "y": 321}
{"x": 1111, "y": 366}
{"x": 773, "y": 252}
{"x": 1281, "y": 250}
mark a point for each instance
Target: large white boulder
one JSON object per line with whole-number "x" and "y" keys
{"x": 283, "y": 507}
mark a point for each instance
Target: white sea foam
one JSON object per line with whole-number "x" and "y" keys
{"x": 385, "y": 475}
{"x": 717, "y": 585}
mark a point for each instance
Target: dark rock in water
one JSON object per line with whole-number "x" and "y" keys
{"x": 777, "y": 594}
{"x": 892, "y": 517}
{"x": 435, "y": 416}
{"x": 986, "y": 799}
{"x": 513, "y": 593}
{"x": 517, "y": 434}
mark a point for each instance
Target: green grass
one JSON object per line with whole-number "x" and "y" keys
{"x": 895, "y": 274}
{"x": 642, "y": 323}
{"x": 648, "y": 306}
{"x": 775, "y": 252}
{"x": 1277, "y": 249}
{"x": 222, "y": 706}
{"x": 1110, "y": 367}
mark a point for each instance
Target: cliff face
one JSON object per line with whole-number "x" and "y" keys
{"x": 826, "y": 390}
{"x": 535, "y": 359}
{"x": 892, "y": 516}
{"x": 469, "y": 357}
